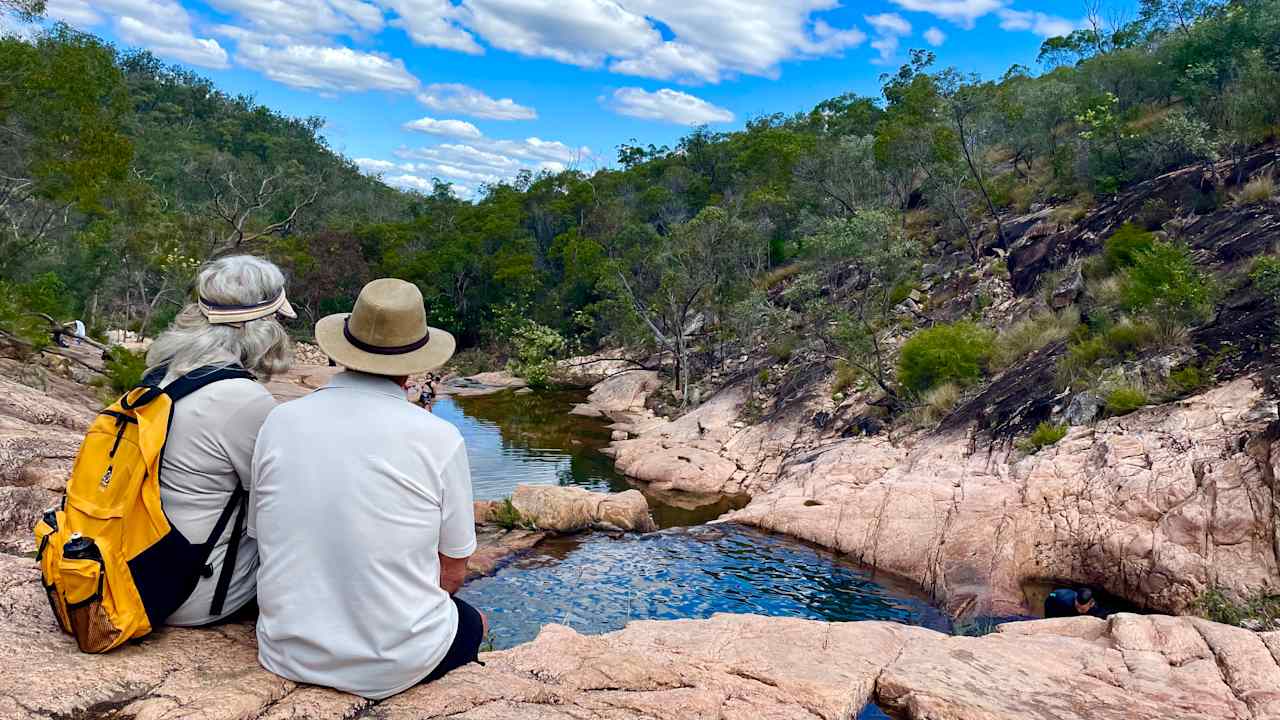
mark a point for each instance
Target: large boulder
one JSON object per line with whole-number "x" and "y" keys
{"x": 570, "y": 509}
{"x": 1157, "y": 506}
{"x": 40, "y": 434}
{"x": 729, "y": 667}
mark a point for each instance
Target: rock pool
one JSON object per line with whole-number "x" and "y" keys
{"x": 598, "y": 582}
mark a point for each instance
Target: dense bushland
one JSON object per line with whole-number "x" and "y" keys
{"x": 802, "y": 236}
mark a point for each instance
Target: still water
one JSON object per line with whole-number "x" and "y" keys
{"x": 597, "y": 582}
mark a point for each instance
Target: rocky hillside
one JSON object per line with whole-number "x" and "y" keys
{"x": 1161, "y": 502}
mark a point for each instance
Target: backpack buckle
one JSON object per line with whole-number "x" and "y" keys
{"x": 206, "y": 571}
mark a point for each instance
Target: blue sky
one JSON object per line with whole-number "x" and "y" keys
{"x": 472, "y": 91}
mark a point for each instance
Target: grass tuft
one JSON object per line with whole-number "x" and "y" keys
{"x": 1124, "y": 400}
{"x": 1259, "y": 189}
{"x": 1045, "y": 434}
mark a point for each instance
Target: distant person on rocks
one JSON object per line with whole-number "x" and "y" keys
{"x": 1065, "y": 602}
{"x": 364, "y": 515}
{"x": 205, "y": 469}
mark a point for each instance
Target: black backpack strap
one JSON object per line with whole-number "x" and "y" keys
{"x": 201, "y": 377}
{"x": 237, "y": 505}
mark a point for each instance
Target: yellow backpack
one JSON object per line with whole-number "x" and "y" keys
{"x": 113, "y": 566}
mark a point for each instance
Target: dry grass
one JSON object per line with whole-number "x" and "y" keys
{"x": 936, "y": 405}
{"x": 1259, "y": 189}
{"x": 778, "y": 275}
{"x": 1029, "y": 335}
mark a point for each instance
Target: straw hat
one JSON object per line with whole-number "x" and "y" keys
{"x": 386, "y": 333}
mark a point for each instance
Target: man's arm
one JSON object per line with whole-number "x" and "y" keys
{"x": 453, "y": 571}
{"x": 458, "y": 522}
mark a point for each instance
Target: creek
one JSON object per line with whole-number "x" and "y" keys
{"x": 598, "y": 582}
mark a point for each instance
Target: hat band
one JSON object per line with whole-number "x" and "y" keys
{"x": 359, "y": 344}
{"x": 218, "y": 314}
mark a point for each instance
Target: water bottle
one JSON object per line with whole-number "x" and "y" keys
{"x": 80, "y": 547}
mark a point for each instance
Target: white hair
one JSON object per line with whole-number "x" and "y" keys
{"x": 259, "y": 346}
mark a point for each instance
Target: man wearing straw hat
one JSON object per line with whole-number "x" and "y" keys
{"x": 363, "y": 513}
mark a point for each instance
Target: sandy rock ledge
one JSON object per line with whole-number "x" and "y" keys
{"x": 729, "y": 667}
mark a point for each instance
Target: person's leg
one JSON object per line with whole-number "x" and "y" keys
{"x": 472, "y": 627}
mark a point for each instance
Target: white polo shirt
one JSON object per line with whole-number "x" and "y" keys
{"x": 355, "y": 492}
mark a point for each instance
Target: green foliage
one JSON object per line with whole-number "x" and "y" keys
{"x": 1258, "y": 611}
{"x": 1045, "y": 434}
{"x": 472, "y": 361}
{"x": 846, "y": 377}
{"x": 1265, "y": 274}
{"x": 124, "y": 369}
{"x": 506, "y": 516}
{"x": 1124, "y": 400}
{"x": 1125, "y": 246}
{"x": 1165, "y": 283}
{"x": 955, "y": 352}
{"x": 1089, "y": 353}
{"x": 784, "y": 347}
{"x": 1187, "y": 380}
{"x": 534, "y": 348}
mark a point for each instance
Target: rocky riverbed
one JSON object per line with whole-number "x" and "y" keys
{"x": 1156, "y": 507}
{"x": 973, "y": 523}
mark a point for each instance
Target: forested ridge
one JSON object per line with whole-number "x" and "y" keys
{"x": 121, "y": 175}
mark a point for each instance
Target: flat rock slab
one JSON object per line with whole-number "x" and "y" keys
{"x": 730, "y": 667}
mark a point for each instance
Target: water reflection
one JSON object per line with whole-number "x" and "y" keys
{"x": 599, "y": 583}
{"x": 532, "y": 439}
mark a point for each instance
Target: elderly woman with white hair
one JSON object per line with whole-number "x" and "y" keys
{"x": 205, "y": 469}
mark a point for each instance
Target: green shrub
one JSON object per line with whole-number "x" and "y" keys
{"x": 784, "y": 347}
{"x": 847, "y": 376}
{"x": 1259, "y": 611}
{"x": 1187, "y": 380}
{"x": 1122, "y": 248}
{"x": 1165, "y": 283}
{"x": 1127, "y": 338}
{"x": 124, "y": 369}
{"x": 506, "y": 516}
{"x": 1045, "y": 434}
{"x": 956, "y": 352}
{"x": 535, "y": 348}
{"x": 1265, "y": 274}
{"x": 1029, "y": 335}
{"x": 1124, "y": 400}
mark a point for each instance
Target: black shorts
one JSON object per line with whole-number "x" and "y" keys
{"x": 466, "y": 642}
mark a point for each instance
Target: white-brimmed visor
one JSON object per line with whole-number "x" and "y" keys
{"x": 218, "y": 314}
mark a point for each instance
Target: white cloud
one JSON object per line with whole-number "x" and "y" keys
{"x": 161, "y": 26}
{"x": 1039, "y": 23}
{"x": 172, "y": 44}
{"x": 961, "y": 12}
{"x": 487, "y": 160}
{"x": 465, "y": 100}
{"x": 445, "y": 128}
{"x": 330, "y": 69}
{"x": 935, "y": 37}
{"x": 433, "y": 23}
{"x": 72, "y": 12}
{"x": 408, "y": 181}
{"x": 890, "y": 29}
{"x": 667, "y": 105}
{"x": 712, "y": 38}
{"x": 373, "y": 167}
{"x": 306, "y": 19}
